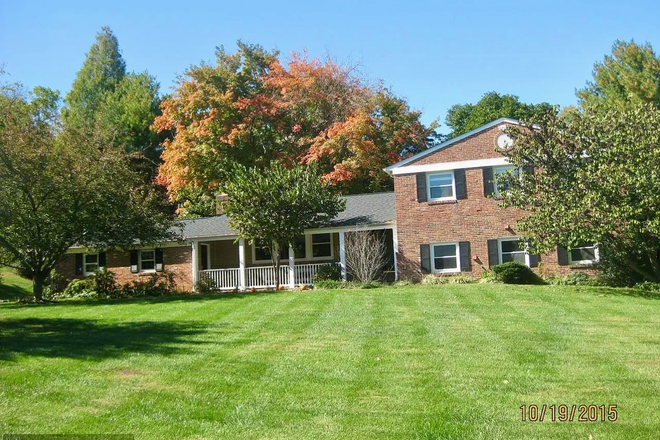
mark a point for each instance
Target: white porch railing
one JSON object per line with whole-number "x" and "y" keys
{"x": 223, "y": 278}
{"x": 264, "y": 276}
{"x": 261, "y": 276}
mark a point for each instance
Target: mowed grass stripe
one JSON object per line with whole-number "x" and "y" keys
{"x": 226, "y": 378}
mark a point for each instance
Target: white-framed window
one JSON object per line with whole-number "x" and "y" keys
{"x": 585, "y": 253}
{"x": 441, "y": 186}
{"x": 322, "y": 245}
{"x": 511, "y": 249}
{"x": 305, "y": 247}
{"x": 499, "y": 188}
{"x": 445, "y": 258}
{"x": 147, "y": 260}
{"x": 90, "y": 264}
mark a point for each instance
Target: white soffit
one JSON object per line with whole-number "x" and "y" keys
{"x": 446, "y": 166}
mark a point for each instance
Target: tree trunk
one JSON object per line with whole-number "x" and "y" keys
{"x": 275, "y": 256}
{"x": 38, "y": 286}
{"x": 655, "y": 264}
{"x": 648, "y": 276}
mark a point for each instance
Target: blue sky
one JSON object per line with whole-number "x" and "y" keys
{"x": 434, "y": 54}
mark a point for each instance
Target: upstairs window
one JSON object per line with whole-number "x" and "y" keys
{"x": 499, "y": 187}
{"x": 441, "y": 186}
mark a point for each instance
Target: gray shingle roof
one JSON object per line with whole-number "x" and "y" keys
{"x": 366, "y": 209}
{"x": 361, "y": 209}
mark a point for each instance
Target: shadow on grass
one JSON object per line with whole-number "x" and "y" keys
{"x": 12, "y": 293}
{"x": 627, "y": 291}
{"x": 147, "y": 300}
{"x": 93, "y": 339}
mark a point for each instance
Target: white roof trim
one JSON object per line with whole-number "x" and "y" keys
{"x": 446, "y": 166}
{"x": 452, "y": 141}
{"x": 373, "y": 227}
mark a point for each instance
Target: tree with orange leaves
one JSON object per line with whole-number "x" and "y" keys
{"x": 251, "y": 109}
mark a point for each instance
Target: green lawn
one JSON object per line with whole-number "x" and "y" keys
{"x": 421, "y": 362}
{"x": 13, "y": 287}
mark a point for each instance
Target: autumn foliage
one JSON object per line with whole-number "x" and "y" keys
{"x": 250, "y": 109}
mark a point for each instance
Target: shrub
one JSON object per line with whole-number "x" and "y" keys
{"x": 366, "y": 255}
{"x": 156, "y": 284}
{"x": 78, "y": 289}
{"x": 648, "y": 286}
{"x": 514, "y": 272}
{"x": 402, "y": 283}
{"x": 573, "y": 279}
{"x": 56, "y": 283}
{"x": 329, "y": 284}
{"x": 434, "y": 279}
{"x": 370, "y": 285}
{"x": 447, "y": 279}
{"x": 460, "y": 279}
{"x": 205, "y": 285}
{"x": 104, "y": 283}
{"x": 328, "y": 272}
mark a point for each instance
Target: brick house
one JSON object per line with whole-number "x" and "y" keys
{"x": 447, "y": 215}
{"x": 443, "y": 217}
{"x": 209, "y": 247}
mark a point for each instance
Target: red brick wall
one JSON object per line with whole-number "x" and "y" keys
{"x": 476, "y": 219}
{"x": 175, "y": 259}
{"x": 479, "y": 146}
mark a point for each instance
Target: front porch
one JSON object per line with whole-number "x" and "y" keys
{"x": 233, "y": 264}
{"x": 262, "y": 276}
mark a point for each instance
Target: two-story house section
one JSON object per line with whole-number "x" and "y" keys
{"x": 447, "y": 215}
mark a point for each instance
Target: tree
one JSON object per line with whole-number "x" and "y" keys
{"x": 102, "y": 71}
{"x": 595, "y": 181}
{"x": 276, "y": 206}
{"x": 630, "y": 75}
{"x": 104, "y": 99}
{"x": 251, "y": 109}
{"x": 61, "y": 188}
{"x": 462, "y": 118}
{"x": 366, "y": 255}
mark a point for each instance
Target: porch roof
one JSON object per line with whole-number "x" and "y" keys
{"x": 361, "y": 210}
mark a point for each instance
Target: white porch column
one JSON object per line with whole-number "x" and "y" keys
{"x": 342, "y": 255}
{"x": 195, "y": 262}
{"x": 395, "y": 246}
{"x": 292, "y": 268}
{"x": 241, "y": 264}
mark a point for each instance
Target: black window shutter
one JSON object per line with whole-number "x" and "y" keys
{"x": 425, "y": 257}
{"x": 101, "y": 260}
{"x": 134, "y": 262}
{"x": 562, "y": 256}
{"x": 421, "y": 187}
{"x": 79, "y": 264}
{"x": 461, "y": 184}
{"x": 534, "y": 260}
{"x": 159, "y": 259}
{"x": 489, "y": 188}
{"x": 493, "y": 254}
{"x": 466, "y": 260}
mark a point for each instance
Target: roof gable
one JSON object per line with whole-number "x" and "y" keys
{"x": 450, "y": 142}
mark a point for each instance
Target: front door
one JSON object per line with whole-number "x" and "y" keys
{"x": 204, "y": 250}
